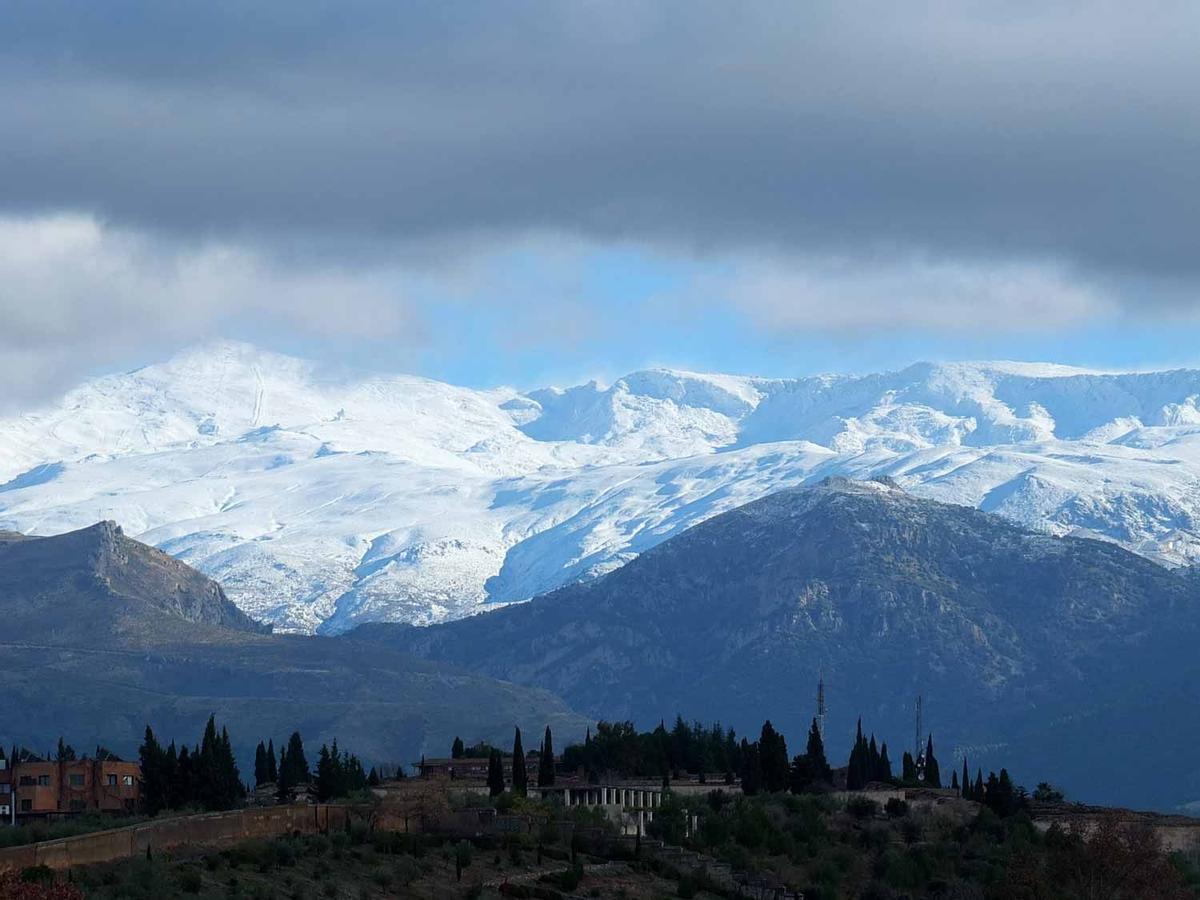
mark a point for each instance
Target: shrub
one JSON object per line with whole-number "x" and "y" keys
{"x": 896, "y": 808}
{"x": 190, "y": 880}
{"x": 862, "y": 807}
{"x": 406, "y": 871}
{"x": 686, "y": 888}
{"x": 37, "y": 875}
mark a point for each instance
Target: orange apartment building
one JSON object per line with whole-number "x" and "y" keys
{"x": 44, "y": 790}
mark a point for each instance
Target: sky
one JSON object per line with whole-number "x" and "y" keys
{"x": 530, "y": 193}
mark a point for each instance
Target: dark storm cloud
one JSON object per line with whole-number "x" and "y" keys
{"x": 1055, "y": 131}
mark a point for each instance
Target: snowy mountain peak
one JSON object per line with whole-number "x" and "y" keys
{"x": 321, "y": 498}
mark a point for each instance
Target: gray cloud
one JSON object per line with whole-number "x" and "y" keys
{"x": 173, "y": 171}
{"x": 980, "y": 130}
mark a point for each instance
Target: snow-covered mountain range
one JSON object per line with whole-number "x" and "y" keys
{"x": 320, "y": 500}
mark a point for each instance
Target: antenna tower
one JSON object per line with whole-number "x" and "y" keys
{"x": 918, "y": 732}
{"x": 821, "y": 707}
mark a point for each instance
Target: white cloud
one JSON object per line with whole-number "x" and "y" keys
{"x": 76, "y": 294}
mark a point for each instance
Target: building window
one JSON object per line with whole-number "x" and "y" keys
{"x": 112, "y": 780}
{"x": 43, "y": 781}
{"x": 78, "y": 806}
{"x": 28, "y": 781}
{"x": 127, "y": 781}
{"x": 5, "y": 788}
{"x": 26, "y": 806}
{"x": 76, "y": 780}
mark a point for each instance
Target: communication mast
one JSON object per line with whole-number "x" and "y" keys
{"x": 821, "y": 707}
{"x": 917, "y": 749}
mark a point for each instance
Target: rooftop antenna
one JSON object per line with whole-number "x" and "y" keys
{"x": 917, "y": 734}
{"x": 821, "y": 706}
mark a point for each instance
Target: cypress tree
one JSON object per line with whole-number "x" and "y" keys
{"x": 154, "y": 790}
{"x": 815, "y": 751}
{"x": 954, "y": 781}
{"x": 456, "y": 749}
{"x": 185, "y": 780}
{"x": 171, "y": 776}
{"x": 872, "y": 760}
{"x": 373, "y": 779}
{"x": 885, "y": 764}
{"x": 965, "y": 783}
{"x": 858, "y": 770}
{"x": 208, "y": 788}
{"x": 260, "y": 764}
{"x": 979, "y": 791}
{"x": 229, "y": 777}
{"x": 293, "y": 766}
{"x": 272, "y": 769}
{"x": 327, "y": 776}
{"x": 933, "y": 775}
{"x": 520, "y": 780}
{"x": 546, "y": 763}
{"x": 298, "y": 772}
{"x": 773, "y": 758}
{"x": 752, "y": 773}
{"x": 495, "y": 777}
{"x": 908, "y": 769}
{"x": 1002, "y": 795}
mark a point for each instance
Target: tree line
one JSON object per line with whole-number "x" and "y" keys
{"x": 618, "y": 749}
{"x": 206, "y": 775}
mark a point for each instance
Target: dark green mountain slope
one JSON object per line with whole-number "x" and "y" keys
{"x": 1063, "y": 658}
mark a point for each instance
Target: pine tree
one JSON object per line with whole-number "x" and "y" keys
{"x": 373, "y": 779}
{"x": 520, "y": 780}
{"x": 495, "y": 777}
{"x": 546, "y": 763}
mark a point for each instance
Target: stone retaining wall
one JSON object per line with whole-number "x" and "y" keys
{"x": 163, "y": 834}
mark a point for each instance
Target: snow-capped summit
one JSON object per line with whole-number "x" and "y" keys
{"x": 322, "y": 498}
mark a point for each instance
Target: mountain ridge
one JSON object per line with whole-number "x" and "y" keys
{"x": 322, "y": 499}
{"x": 1026, "y": 647}
{"x": 104, "y": 635}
